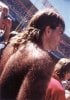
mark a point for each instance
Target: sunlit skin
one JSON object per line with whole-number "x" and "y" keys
{"x": 67, "y": 76}
{"x": 52, "y": 35}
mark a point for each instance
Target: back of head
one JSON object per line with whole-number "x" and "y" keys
{"x": 38, "y": 23}
{"x": 62, "y": 67}
{"x": 47, "y": 17}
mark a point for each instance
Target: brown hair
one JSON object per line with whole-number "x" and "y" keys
{"x": 62, "y": 67}
{"x": 34, "y": 30}
{"x": 47, "y": 17}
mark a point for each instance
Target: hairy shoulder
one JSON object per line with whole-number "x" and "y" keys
{"x": 28, "y": 54}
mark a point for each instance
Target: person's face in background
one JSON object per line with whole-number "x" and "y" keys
{"x": 5, "y": 12}
{"x": 67, "y": 76}
{"x": 52, "y": 37}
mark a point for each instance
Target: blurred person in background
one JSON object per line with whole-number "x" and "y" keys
{"x": 5, "y": 26}
{"x": 5, "y": 22}
{"x": 61, "y": 72}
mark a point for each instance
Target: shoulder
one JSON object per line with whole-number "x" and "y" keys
{"x": 29, "y": 53}
{"x": 55, "y": 90}
{"x": 55, "y": 85}
{"x": 34, "y": 52}
{"x": 8, "y": 20}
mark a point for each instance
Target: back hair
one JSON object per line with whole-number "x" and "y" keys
{"x": 62, "y": 67}
{"x": 47, "y": 17}
{"x": 34, "y": 30}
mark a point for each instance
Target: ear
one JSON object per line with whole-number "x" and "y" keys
{"x": 48, "y": 31}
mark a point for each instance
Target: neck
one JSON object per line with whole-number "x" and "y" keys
{"x": 46, "y": 44}
{"x": 46, "y": 47}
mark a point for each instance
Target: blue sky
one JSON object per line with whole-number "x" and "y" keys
{"x": 63, "y": 6}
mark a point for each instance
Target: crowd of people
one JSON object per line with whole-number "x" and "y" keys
{"x": 5, "y": 25}
{"x": 5, "y": 22}
{"x": 28, "y": 69}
